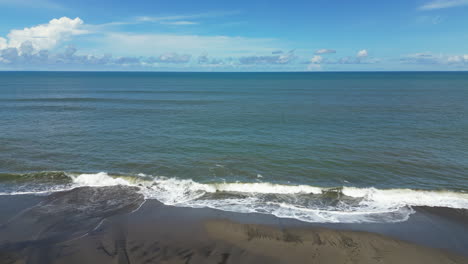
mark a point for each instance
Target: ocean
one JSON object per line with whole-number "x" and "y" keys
{"x": 318, "y": 147}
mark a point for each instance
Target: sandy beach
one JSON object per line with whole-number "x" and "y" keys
{"x": 116, "y": 225}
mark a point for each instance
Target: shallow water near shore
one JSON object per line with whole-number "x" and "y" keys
{"x": 317, "y": 147}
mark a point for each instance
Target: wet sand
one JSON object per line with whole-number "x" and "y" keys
{"x": 116, "y": 225}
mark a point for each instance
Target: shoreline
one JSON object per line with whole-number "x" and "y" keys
{"x": 109, "y": 224}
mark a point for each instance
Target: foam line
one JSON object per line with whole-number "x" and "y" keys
{"x": 303, "y": 202}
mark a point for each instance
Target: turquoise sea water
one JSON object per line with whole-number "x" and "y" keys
{"x": 319, "y": 130}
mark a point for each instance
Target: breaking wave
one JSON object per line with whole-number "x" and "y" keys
{"x": 302, "y": 202}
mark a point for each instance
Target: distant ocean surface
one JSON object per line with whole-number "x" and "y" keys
{"x": 318, "y": 147}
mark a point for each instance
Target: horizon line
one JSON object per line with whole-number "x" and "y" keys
{"x": 119, "y": 71}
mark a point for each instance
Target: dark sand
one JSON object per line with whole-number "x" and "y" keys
{"x": 111, "y": 225}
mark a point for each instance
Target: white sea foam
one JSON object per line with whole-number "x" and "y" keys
{"x": 174, "y": 191}
{"x": 98, "y": 179}
{"x": 368, "y": 205}
{"x": 402, "y": 197}
{"x": 37, "y": 189}
{"x": 303, "y": 202}
{"x": 266, "y": 188}
{"x": 37, "y": 192}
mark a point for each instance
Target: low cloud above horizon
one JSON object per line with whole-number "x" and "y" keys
{"x": 221, "y": 41}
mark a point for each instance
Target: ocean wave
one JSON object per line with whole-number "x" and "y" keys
{"x": 42, "y": 176}
{"x": 303, "y": 202}
{"x": 97, "y": 180}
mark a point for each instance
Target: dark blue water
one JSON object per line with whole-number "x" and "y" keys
{"x": 382, "y": 130}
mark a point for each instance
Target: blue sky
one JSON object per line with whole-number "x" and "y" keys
{"x": 324, "y": 35}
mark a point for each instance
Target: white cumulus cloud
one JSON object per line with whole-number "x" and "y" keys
{"x": 3, "y": 43}
{"x": 45, "y": 36}
{"x": 316, "y": 59}
{"x": 362, "y": 54}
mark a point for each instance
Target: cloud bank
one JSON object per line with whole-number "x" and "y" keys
{"x": 426, "y": 58}
{"x": 50, "y": 46}
{"x": 361, "y": 57}
{"x": 324, "y": 51}
{"x": 274, "y": 59}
